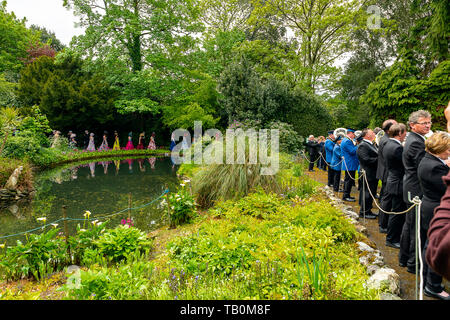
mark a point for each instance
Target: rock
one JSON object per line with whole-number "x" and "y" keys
{"x": 364, "y": 247}
{"x": 385, "y": 280}
{"x": 379, "y": 260}
{"x": 13, "y": 209}
{"x": 372, "y": 269}
{"x": 365, "y": 260}
{"x": 389, "y": 296}
{"x": 361, "y": 229}
{"x": 11, "y": 184}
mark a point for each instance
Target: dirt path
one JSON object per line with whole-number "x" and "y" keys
{"x": 407, "y": 280}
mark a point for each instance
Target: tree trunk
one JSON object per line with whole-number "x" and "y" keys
{"x": 4, "y": 142}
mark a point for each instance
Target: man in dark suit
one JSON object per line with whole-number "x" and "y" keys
{"x": 438, "y": 250}
{"x": 385, "y": 198}
{"x": 313, "y": 149}
{"x": 392, "y": 153}
{"x": 368, "y": 159}
{"x": 431, "y": 170}
{"x": 414, "y": 150}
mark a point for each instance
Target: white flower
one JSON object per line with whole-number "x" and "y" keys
{"x": 54, "y": 225}
{"x": 2, "y": 245}
{"x": 186, "y": 181}
{"x": 43, "y": 219}
{"x": 182, "y": 184}
{"x": 82, "y": 230}
{"x": 94, "y": 222}
{"x": 87, "y": 214}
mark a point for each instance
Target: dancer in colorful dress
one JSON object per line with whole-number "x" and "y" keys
{"x": 140, "y": 145}
{"x": 116, "y": 145}
{"x": 172, "y": 142}
{"x": 104, "y": 146}
{"x": 117, "y": 164}
{"x": 152, "y": 161}
{"x": 91, "y": 146}
{"x": 130, "y": 145}
{"x": 73, "y": 142}
{"x": 152, "y": 144}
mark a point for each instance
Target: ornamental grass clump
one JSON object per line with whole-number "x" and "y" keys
{"x": 232, "y": 181}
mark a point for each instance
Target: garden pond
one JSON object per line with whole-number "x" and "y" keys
{"x": 101, "y": 187}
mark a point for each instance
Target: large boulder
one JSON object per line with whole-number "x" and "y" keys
{"x": 13, "y": 180}
{"x": 385, "y": 280}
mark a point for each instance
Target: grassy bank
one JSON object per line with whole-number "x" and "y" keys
{"x": 263, "y": 245}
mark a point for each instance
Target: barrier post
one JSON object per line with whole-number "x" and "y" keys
{"x": 363, "y": 194}
{"x": 168, "y": 209}
{"x": 416, "y": 252}
{"x": 417, "y": 201}
{"x": 66, "y": 232}
{"x": 129, "y": 206}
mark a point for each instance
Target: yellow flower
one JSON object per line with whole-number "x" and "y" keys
{"x": 2, "y": 245}
{"x": 87, "y": 214}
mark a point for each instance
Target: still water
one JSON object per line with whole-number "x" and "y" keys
{"x": 103, "y": 188}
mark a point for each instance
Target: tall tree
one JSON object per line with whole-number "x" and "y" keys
{"x": 14, "y": 40}
{"x": 48, "y": 37}
{"x": 134, "y": 31}
{"x": 321, "y": 29}
{"x": 70, "y": 97}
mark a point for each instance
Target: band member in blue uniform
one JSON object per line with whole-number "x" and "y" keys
{"x": 329, "y": 145}
{"x": 351, "y": 163}
{"x": 336, "y": 163}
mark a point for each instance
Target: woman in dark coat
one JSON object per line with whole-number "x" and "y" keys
{"x": 432, "y": 168}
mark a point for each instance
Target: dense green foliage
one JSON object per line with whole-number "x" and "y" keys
{"x": 48, "y": 252}
{"x": 65, "y": 93}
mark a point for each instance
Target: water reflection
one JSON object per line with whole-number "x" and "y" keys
{"x": 101, "y": 187}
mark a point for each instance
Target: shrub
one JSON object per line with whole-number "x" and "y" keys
{"x": 84, "y": 240}
{"x": 128, "y": 282}
{"x": 40, "y": 255}
{"x": 290, "y": 141}
{"x": 182, "y": 207}
{"x": 118, "y": 243}
{"x": 322, "y": 215}
{"x": 259, "y": 205}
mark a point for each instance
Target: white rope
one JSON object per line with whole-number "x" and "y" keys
{"x": 329, "y": 164}
{"x": 320, "y": 155}
{"x": 417, "y": 203}
{"x": 346, "y": 169}
{"x": 374, "y": 200}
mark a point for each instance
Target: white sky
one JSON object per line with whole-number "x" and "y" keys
{"x": 49, "y": 14}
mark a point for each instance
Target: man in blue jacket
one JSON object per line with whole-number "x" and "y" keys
{"x": 329, "y": 145}
{"x": 350, "y": 164}
{"x": 336, "y": 163}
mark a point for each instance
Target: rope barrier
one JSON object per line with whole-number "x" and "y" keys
{"x": 78, "y": 219}
{"x": 320, "y": 155}
{"x": 346, "y": 169}
{"x": 416, "y": 203}
{"x": 374, "y": 200}
{"x": 329, "y": 164}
